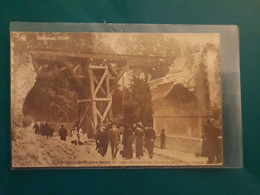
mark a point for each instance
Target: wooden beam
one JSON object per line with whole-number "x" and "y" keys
{"x": 75, "y": 68}
{"x": 84, "y": 100}
{"x": 112, "y": 70}
{"x": 102, "y": 89}
{"x": 106, "y": 111}
{"x": 101, "y": 99}
{"x": 100, "y": 82}
{"x": 99, "y": 114}
{"x": 119, "y": 76}
{"x": 97, "y": 67}
{"x": 52, "y": 54}
{"x": 87, "y": 107}
{"x": 109, "y": 96}
{"x": 94, "y": 105}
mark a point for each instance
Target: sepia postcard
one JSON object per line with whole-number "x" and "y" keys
{"x": 115, "y": 99}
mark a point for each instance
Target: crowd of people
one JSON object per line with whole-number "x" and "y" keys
{"x": 126, "y": 136}
{"x": 111, "y": 134}
{"x": 78, "y": 136}
{"x": 44, "y": 129}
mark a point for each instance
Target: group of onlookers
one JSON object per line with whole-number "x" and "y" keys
{"x": 137, "y": 134}
{"x": 78, "y": 136}
{"x": 111, "y": 133}
{"x": 44, "y": 129}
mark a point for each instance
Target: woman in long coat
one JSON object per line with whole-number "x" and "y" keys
{"x": 128, "y": 141}
{"x": 139, "y": 135}
{"x": 210, "y": 144}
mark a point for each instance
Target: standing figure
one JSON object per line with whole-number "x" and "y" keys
{"x": 81, "y": 136}
{"x": 149, "y": 140}
{"x": 47, "y": 130}
{"x": 74, "y": 135}
{"x": 108, "y": 126}
{"x": 101, "y": 140}
{"x": 85, "y": 137}
{"x": 128, "y": 141}
{"x": 63, "y": 133}
{"x": 210, "y": 144}
{"x": 163, "y": 139}
{"x": 139, "y": 135}
{"x": 114, "y": 139}
{"x": 51, "y": 130}
{"x": 36, "y": 128}
{"x": 41, "y": 128}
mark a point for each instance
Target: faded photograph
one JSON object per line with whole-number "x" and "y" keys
{"x": 115, "y": 99}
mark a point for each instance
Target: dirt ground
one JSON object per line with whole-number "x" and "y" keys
{"x": 31, "y": 150}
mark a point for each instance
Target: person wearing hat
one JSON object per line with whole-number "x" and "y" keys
{"x": 114, "y": 139}
{"x": 36, "y": 128}
{"x": 139, "y": 135}
{"x": 150, "y": 136}
{"x": 163, "y": 138}
{"x": 210, "y": 145}
{"x": 63, "y": 133}
{"x": 101, "y": 140}
{"x": 127, "y": 142}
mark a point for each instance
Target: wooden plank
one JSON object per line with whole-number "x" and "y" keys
{"x": 102, "y": 89}
{"x": 97, "y": 67}
{"x": 82, "y": 118}
{"x": 75, "y": 68}
{"x": 101, "y": 99}
{"x": 106, "y": 111}
{"x": 94, "y": 106}
{"x": 99, "y": 114}
{"x": 100, "y": 82}
{"x": 119, "y": 76}
{"x": 109, "y": 96}
{"x": 84, "y": 100}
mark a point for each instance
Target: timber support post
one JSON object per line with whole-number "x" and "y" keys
{"x": 101, "y": 98}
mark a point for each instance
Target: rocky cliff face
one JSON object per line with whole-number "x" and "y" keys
{"x": 199, "y": 74}
{"x": 23, "y": 75}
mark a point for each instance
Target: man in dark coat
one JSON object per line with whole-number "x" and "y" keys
{"x": 48, "y": 130}
{"x": 114, "y": 139}
{"x": 101, "y": 140}
{"x": 163, "y": 139}
{"x": 210, "y": 144}
{"x": 36, "y": 128}
{"x": 149, "y": 140}
{"x": 63, "y": 133}
{"x": 45, "y": 129}
{"x": 108, "y": 126}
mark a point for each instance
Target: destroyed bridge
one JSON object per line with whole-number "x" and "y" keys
{"x": 94, "y": 75}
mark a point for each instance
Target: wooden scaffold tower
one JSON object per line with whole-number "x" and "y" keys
{"x": 96, "y": 108}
